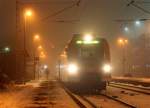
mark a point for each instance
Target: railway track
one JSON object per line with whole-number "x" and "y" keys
{"x": 130, "y": 88}
{"x": 133, "y": 86}
{"x": 120, "y": 101}
{"x": 83, "y": 102}
{"x": 41, "y": 98}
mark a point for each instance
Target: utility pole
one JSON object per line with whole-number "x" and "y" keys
{"x": 19, "y": 69}
{"x": 124, "y": 60}
{"x": 38, "y": 68}
{"x": 123, "y": 43}
{"x": 59, "y": 64}
{"x": 17, "y": 18}
{"x": 36, "y": 62}
{"x": 24, "y": 46}
{"x": 34, "y": 59}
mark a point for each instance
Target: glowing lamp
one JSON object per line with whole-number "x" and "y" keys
{"x": 88, "y": 37}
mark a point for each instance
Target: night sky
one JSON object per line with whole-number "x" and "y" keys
{"x": 95, "y": 16}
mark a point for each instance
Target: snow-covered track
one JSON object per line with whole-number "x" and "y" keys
{"x": 80, "y": 100}
{"x": 120, "y": 101}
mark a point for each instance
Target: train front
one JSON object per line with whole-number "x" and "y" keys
{"x": 88, "y": 63}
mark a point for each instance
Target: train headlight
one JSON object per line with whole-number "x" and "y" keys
{"x": 88, "y": 38}
{"x": 107, "y": 68}
{"x": 72, "y": 69}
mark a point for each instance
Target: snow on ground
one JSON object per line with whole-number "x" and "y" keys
{"x": 22, "y": 96}
{"x": 16, "y": 97}
{"x": 57, "y": 97}
{"x": 138, "y": 99}
{"x": 62, "y": 99}
{"x": 104, "y": 102}
{"x": 147, "y": 80}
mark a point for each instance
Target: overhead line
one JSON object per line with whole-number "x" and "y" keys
{"x": 45, "y": 2}
{"x": 75, "y": 3}
{"x": 142, "y": 9}
{"x": 143, "y": 2}
{"x": 132, "y": 2}
{"x": 62, "y": 10}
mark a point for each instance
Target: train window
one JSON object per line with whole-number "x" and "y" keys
{"x": 88, "y": 52}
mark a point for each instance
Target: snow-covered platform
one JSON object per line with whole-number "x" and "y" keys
{"x": 43, "y": 94}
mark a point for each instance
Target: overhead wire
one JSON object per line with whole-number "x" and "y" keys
{"x": 133, "y": 3}
{"x": 61, "y": 10}
{"x": 74, "y": 3}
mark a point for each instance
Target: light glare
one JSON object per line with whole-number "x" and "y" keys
{"x": 45, "y": 66}
{"x": 107, "y": 68}
{"x": 137, "y": 23}
{"x": 28, "y": 13}
{"x": 88, "y": 37}
{"x": 126, "y": 41}
{"x": 88, "y": 42}
{"x": 7, "y": 49}
{"x": 36, "y": 37}
{"x": 40, "y": 47}
{"x": 126, "y": 29}
{"x": 72, "y": 69}
{"x": 122, "y": 41}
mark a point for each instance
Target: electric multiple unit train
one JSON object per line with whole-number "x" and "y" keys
{"x": 85, "y": 62}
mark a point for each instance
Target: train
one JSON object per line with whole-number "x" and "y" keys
{"x": 85, "y": 62}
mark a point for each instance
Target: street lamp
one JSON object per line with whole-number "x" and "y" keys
{"x": 123, "y": 42}
{"x": 7, "y": 49}
{"x": 27, "y": 13}
{"x": 126, "y": 29}
{"x": 40, "y": 47}
{"x": 120, "y": 41}
{"x": 45, "y": 66}
{"x": 42, "y": 55}
{"x": 36, "y": 37}
{"x": 137, "y": 23}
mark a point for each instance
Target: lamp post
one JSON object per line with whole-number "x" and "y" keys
{"x": 27, "y": 13}
{"x": 123, "y": 42}
{"x": 36, "y": 38}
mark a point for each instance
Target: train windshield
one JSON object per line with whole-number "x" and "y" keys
{"x": 90, "y": 52}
